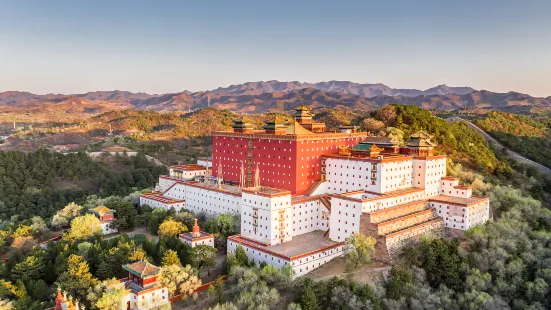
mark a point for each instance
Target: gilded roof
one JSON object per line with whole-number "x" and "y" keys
{"x": 102, "y": 210}
{"x": 297, "y": 129}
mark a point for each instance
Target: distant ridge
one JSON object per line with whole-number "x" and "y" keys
{"x": 260, "y": 97}
{"x": 344, "y": 87}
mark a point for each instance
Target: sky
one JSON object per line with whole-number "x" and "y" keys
{"x": 171, "y": 46}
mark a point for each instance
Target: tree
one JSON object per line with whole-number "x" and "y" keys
{"x": 216, "y": 290}
{"x": 83, "y": 227}
{"x": 179, "y": 279}
{"x": 77, "y": 279}
{"x": 38, "y": 224}
{"x": 203, "y": 257}
{"x": 23, "y": 231}
{"x": 138, "y": 254}
{"x": 59, "y": 221}
{"x": 387, "y": 114}
{"x": 225, "y": 306}
{"x": 70, "y": 211}
{"x": 171, "y": 228}
{"x": 309, "y": 300}
{"x": 241, "y": 256}
{"x": 63, "y": 216}
{"x": 372, "y": 125}
{"x": 125, "y": 213}
{"x": 33, "y": 267}
{"x": 359, "y": 249}
{"x": 107, "y": 295}
{"x": 170, "y": 258}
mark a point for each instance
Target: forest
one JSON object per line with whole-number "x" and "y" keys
{"x": 40, "y": 183}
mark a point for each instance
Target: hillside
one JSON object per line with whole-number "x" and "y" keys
{"x": 529, "y": 136}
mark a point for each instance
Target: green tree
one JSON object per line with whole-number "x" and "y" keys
{"x": 216, "y": 290}
{"x": 125, "y": 214}
{"x": 241, "y": 256}
{"x": 359, "y": 249}
{"x": 203, "y": 257}
{"x": 309, "y": 300}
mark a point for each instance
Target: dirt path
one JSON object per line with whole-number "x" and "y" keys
{"x": 136, "y": 231}
{"x": 373, "y": 273}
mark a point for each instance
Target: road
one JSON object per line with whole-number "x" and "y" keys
{"x": 541, "y": 168}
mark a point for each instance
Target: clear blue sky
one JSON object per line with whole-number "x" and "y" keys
{"x": 169, "y": 46}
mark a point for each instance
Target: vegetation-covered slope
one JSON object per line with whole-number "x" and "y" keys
{"x": 529, "y": 136}
{"x": 40, "y": 183}
{"x": 459, "y": 141}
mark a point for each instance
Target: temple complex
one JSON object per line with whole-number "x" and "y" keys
{"x": 301, "y": 191}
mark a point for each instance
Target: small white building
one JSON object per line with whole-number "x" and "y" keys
{"x": 106, "y": 217}
{"x": 187, "y": 172}
{"x": 197, "y": 237}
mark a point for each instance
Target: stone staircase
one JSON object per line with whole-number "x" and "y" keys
{"x": 397, "y": 226}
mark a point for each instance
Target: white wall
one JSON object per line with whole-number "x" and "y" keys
{"x": 396, "y": 175}
{"x": 157, "y": 204}
{"x": 148, "y": 300}
{"x": 186, "y": 174}
{"x": 350, "y": 174}
{"x": 462, "y": 217}
{"x": 300, "y": 266}
{"x": 108, "y": 228}
{"x": 307, "y": 217}
{"x": 345, "y": 218}
{"x": 165, "y": 183}
{"x": 260, "y": 217}
{"x": 210, "y": 201}
{"x": 434, "y": 170}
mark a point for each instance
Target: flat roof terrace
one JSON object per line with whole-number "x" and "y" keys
{"x": 363, "y": 195}
{"x": 299, "y": 246}
{"x": 266, "y": 191}
{"x": 458, "y": 200}
{"x": 213, "y": 186}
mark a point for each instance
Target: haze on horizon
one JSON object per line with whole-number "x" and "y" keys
{"x": 171, "y": 46}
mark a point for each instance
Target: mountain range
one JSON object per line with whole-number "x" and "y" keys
{"x": 260, "y": 97}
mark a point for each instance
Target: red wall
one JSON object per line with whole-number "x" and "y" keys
{"x": 290, "y": 164}
{"x": 309, "y": 154}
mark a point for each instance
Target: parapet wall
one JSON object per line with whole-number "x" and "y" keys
{"x": 394, "y": 212}
{"x": 389, "y": 246}
{"x": 402, "y": 222}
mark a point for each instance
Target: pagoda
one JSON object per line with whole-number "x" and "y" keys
{"x": 420, "y": 144}
{"x": 275, "y": 126}
{"x": 303, "y": 116}
{"x": 242, "y": 124}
